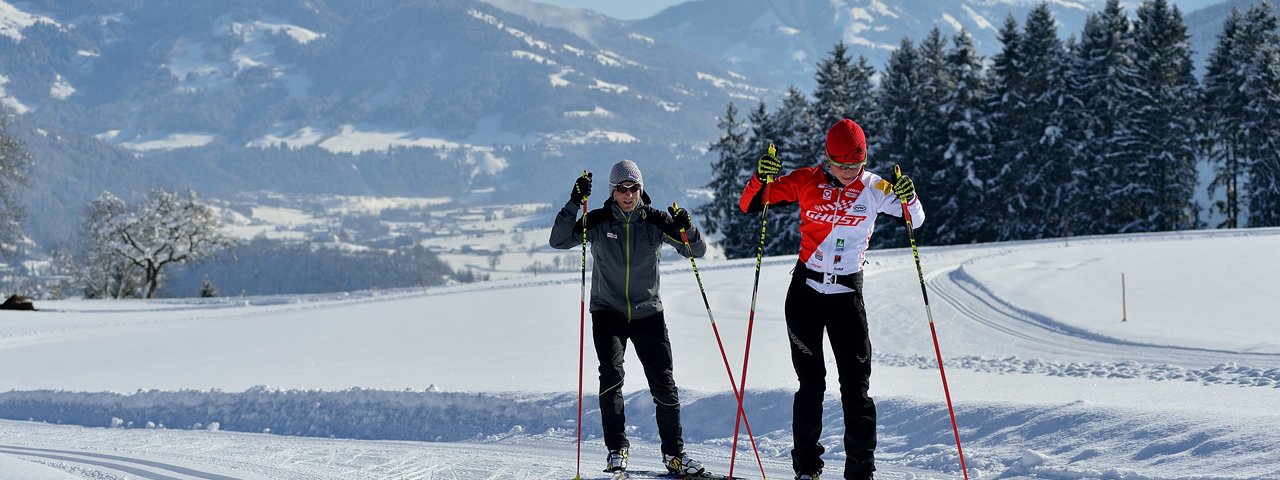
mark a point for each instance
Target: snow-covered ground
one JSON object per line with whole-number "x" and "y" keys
{"x": 1053, "y": 373}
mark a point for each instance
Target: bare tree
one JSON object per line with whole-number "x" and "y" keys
{"x": 98, "y": 267}
{"x": 14, "y": 163}
{"x": 126, "y": 243}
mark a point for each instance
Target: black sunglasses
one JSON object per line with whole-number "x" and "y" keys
{"x": 620, "y": 188}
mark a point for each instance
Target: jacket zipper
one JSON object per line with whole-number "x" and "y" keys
{"x": 626, "y": 226}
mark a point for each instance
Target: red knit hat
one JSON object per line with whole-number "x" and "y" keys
{"x": 845, "y": 143}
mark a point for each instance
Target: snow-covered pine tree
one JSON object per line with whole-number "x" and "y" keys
{"x": 899, "y": 106}
{"x": 1104, "y": 80}
{"x": 957, "y": 187}
{"x": 1262, "y": 113}
{"x": 862, "y": 106}
{"x": 1224, "y": 101}
{"x": 927, "y": 166}
{"x": 721, "y": 216}
{"x": 1002, "y": 105}
{"x": 1165, "y": 114}
{"x": 1041, "y": 162}
{"x": 833, "y": 96}
{"x": 900, "y": 140}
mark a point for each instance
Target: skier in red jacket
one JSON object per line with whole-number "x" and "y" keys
{"x": 839, "y": 201}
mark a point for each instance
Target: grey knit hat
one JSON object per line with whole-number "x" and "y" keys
{"x": 624, "y": 171}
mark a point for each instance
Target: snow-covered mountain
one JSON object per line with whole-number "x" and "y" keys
{"x": 413, "y": 98}
{"x": 388, "y": 96}
{"x": 779, "y": 42}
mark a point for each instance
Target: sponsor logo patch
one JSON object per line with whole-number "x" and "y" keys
{"x": 837, "y": 220}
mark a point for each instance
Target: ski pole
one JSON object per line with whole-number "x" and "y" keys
{"x": 897, "y": 172}
{"x": 732, "y": 383}
{"x": 582, "y": 328}
{"x": 751, "y": 318}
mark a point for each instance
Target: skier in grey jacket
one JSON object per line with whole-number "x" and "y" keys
{"x": 625, "y": 236}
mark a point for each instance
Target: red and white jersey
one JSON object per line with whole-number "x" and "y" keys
{"x": 835, "y": 222}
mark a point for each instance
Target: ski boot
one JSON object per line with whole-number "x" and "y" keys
{"x": 617, "y": 460}
{"x": 683, "y": 465}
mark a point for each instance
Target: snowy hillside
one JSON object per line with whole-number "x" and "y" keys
{"x": 1051, "y": 374}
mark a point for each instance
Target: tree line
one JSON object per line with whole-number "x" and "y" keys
{"x": 1097, "y": 134}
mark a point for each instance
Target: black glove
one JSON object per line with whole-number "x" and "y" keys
{"x": 903, "y": 187}
{"x": 680, "y": 218}
{"x": 768, "y": 166}
{"x": 581, "y": 189}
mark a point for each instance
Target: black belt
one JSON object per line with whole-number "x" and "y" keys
{"x": 851, "y": 280}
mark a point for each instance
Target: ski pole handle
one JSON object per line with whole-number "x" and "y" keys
{"x": 773, "y": 152}
{"x": 688, "y": 248}
{"x": 897, "y": 173}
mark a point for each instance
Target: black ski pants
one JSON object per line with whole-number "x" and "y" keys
{"x": 844, "y": 317}
{"x": 611, "y": 331}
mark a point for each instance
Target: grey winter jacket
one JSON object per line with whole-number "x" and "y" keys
{"x": 625, "y": 250}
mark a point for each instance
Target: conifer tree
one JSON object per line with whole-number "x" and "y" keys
{"x": 926, "y": 141}
{"x": 863, "y": 107}
{"x": 900, "y": 138}
{"x": 1224, "y": 101}
{"x": 1002, "y": 107}
{"x": 1163, "y": 180}
{"x": 722, "y": 216}
{"x": 899, "y": 89}
{"x": 957, "y": 189}
{"x": 1262, "y": 114}
{"x": 1105, "y": 82}
{"x": 935, "y": 86}
{"x": 833, "y": 96}
{"x": 1040, "y": 163}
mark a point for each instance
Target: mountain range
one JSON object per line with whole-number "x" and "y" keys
{"x": 496, "y": 100}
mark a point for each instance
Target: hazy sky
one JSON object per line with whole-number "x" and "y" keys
{"x": 638, "y": 9}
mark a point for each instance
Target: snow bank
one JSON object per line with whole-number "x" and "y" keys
{"x": 1074, "y": 440}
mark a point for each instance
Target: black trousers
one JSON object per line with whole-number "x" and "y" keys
{"x": 611, "y": 331}
{"x": 844, "y": 317}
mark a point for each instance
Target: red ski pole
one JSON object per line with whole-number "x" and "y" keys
{"x": 582, "y": 327}
{"x": 897, "y": 172}
{"x": 751, "y": 320}
{"x": 723, "y": 356}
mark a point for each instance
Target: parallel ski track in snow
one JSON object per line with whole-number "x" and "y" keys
{"x": 969, "y": 304}
{"x": 137, "y": 467}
